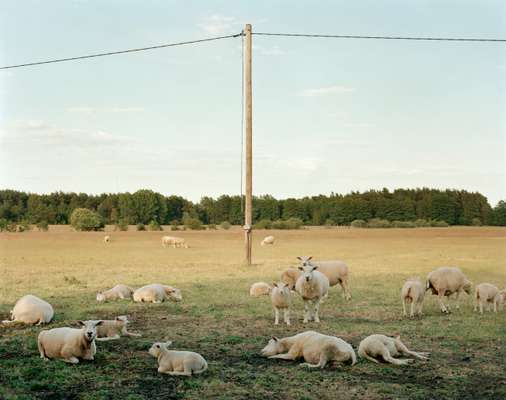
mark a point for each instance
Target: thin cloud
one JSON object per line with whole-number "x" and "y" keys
{"x": 218, "y": 24}
{"x": 326, "y": 91}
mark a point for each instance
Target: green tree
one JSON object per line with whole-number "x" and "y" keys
{"x": 83, "y": 219}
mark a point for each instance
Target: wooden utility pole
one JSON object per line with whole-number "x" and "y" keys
{"x": 248, "y": 105}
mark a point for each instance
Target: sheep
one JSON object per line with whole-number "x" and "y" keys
{"x": 501, "y": 298}
{"x": 117, "y": 292}
{"x": 69, "y": 344}
{"x": 336, "y": 271}
{"x": 486, "y": 293}
{"x": 290, "y": 276}
{"x": 114, "y": 329}
{"x": 174, "y": 241}
{"x": 174, "y": 362}
{"x": 259, "y": 289}
{"x": 31, "y": 310}
{"x": 312, "y": 287}
{"x": 156, "y": 293}
{"x": 445, "y": 281}
{"x": 316, "y": 349}
{"x": 267, "y": 240}
{"x": 281, "y": 298}
{"x": 413, "y": 292}
{"x": 380, "y": 346}
{"x": 107, "y": 239}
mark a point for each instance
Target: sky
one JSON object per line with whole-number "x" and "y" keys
{"x": 329, "y": 115}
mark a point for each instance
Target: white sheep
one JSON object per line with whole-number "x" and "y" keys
{"x": 31, "y": 310}
{"x": 174, "y": 362}
{"x": 259, "y": 289}
{"x": 69, "y": 344}
{"x": 501, "y": 298}
{"x": 114, "y": 329}
{"x": 445, "y": 281}
{"x": 156, "y": 293}
{"x": 486, "y": 293}
{"x": 107, "y": 239}
{"x": 281, "y": 298}
{"x": 267, "y": 240}
{"x": 316, "y": 349}
{"x": 413, "y": 292}
{"x": 312, "y": 287}
{"x": 336, "y": 271}
{"x": 376, "y": 347}
{"x": 117, "y": 292}
{"x": 290, "y": 276}
{"x": 174, "y": 241}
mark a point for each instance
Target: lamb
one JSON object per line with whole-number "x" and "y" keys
{"x": 174, "y": 362}
{"x": 259, "y": 289}
{"x": 281, "y": 298}
{"x": 174, "y": 241}
{"x": 117, "y": 292}
{"x": 156, "y": 293}
{"x": 316, "y": 349}
{"x": 486, "y": 293}
{"x": 312, "y": 287}
{"x": 336, "y": 271}
{"x": 375, "y": 347}
{"x": 290, "y": 276}
{"x": 31, "y": 310}
{"x": 114, "y": 329}
{"x": 69, "y": 344}
{"x": 413, "y": 292}
{"x": 107, "y": 239}
{"x": 445, "y": 281}
{"x": 267, "y": 240}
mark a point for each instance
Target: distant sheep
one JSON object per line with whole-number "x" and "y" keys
{"x": 486, "y": 293}
{"x": 281, "y": 298}
{"x": 267, "y": 240}
{"x": 413, "y": 292}
{"x": 312, "y": 286}
{"x": 259, "y": 289}
{"x": 156, "y": 293}
{"x": 445, "y": 281}
{"x": 69, "y": 344}
{"x": 117, "y": 292}
{"x": 114, "y": 329}
{"x": 381, "y": 347}
{"x": 107, "y": 239}
{"x": 316, "y": 349}
{"x": 31, "y": 310}
{"x": 174, "y": 242}
{"x": 174, "y": 362}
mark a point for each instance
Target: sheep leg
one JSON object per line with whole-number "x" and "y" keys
{"x": 368, "y": 357}
{"x": 126, "y": 333}
{"x": 105, "y": 339}
{"x": 440, "y": 297}
{"x": 495, "y": 306}
{"x": 385, "y": 354}
{"x": 475, "y": 304}
{"x": 276, "y": 316}
{"x": 306, "y": 312}
{"x": 412, "y": 313}
{"x": 316, "y": 310}
{"x": 286, "y": 356}
{"x": 481, "y": 307}
{"x": 420, "y": 307}
{"x": 321, "y": 364}
{"x": 71, "y": 360}
{"x": 457, "y": 296}
{"x": 346, "y": 289}
{"x": 404, "y": 313}
{"x": 401, "y": 348}
{"x": 286, "y": 316}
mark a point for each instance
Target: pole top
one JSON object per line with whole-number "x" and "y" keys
{"x": 247, "y": 28}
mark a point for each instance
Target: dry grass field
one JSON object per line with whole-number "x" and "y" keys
{"x": 218, "y": 319}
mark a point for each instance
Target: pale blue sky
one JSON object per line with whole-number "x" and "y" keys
{"x": 329, "y": 114}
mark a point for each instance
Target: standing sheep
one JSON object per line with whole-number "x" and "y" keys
{"x": 117, "y": 292}
{"x": 413, "y": 292}
{"x": 445, "y": 281}
{"x": 107, "y": 239}
{"x": 316, "y": 349}
{"x": 281, "y": 298}
{"x": 259, "y": 289}
{"x": 31, "y": 310}
{"x": 267, "y": 240}
{"x": 290, "y": 276}
{"x": 377, "y": 347}
{"x": 114, "y": 329}
{"x": 312, "y": 287}
{"x": 174, "y": 242}
{"x": 486, "y": 293}
{"x": 174, "y": 362}
{"x": 156, "y": 293}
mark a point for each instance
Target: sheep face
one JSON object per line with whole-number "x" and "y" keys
{"x": 158, "y": 347}
{"x": 174, "y": 294}
{"x": 307, "y": 272}
{"x": 90, "y": 329}
{"x": 273, "y": 347}
{"x": 100, "y": 297}
{"x": 283, "y": 287}
{"x": 467, "y": 287}
{"x": 305, "y": 260}
{"x": 123, "y": 319}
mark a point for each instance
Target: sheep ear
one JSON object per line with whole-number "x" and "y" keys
{"x": 299, "y": 258}
{"x": 99, "y": 323}
{"x": 81, "y": 323}
{"x": 275, "y": 338}
{"x": 315, "y": 268}
{"x": 302, "y": 269}
{"x": 274, "y": 284}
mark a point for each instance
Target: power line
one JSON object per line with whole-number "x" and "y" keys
{"x": 447, "y": 39}
{"x": 111, "y": 53}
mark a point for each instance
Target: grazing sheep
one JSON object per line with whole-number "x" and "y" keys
{"x": 445, "y": 281}
{"x": 117, "y": 292}
{"x": 174, "y": 362}
{"x": 486, "y": 293}
{"x": 377, "y": 347}
{"x": 114, "y": 329}
{"x": 156, "y": 293}
{"x": 174, "y": 242}
{"x": 413, "y": 292}
{"x": 267, "y": 240}
{"x": 30, "y": 309}
{"x": 69, "y": 344}
{"x": 281, "y": 298}
{"x": 316, "y": 349}
{"x": 107, "y": 239}
{"x": 312, "y": 287}
{"x": 290, "y": 276}
{"x": 259, "y": 289}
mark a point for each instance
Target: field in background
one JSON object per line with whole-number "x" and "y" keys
{"x": 218, "y": 319}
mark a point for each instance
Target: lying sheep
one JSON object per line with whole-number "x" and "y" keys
{"x": 156, "y": 293}
{"x": 312, "y": 287}
{"x": 486, "y": 293}
{"x": 290, "y": 276}
{"x": 336, "y": 271}
{"x": 107, "y": 239}
{"x": 281, "y": 298}
{"x": 376, "y": 347}
{"x": 174, "y": 242}
{"x": 174, "y": 362}
{"x": 445, "y": 281}
{"x": 413, "y": 292}
{"x": 259, "y": 289}
{"x": 267, "y": 240}
{"x": 114, "y": 329}
{"x": 30, "y": 309}
{"x": 69, "y": 344}
{"x": 117, "y": 292}
{"x": 316, "y": 349}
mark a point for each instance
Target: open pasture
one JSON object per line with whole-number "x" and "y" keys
{"x": 219, "y": 320}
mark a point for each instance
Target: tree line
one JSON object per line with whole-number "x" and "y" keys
{"x": 456, "y": 207}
